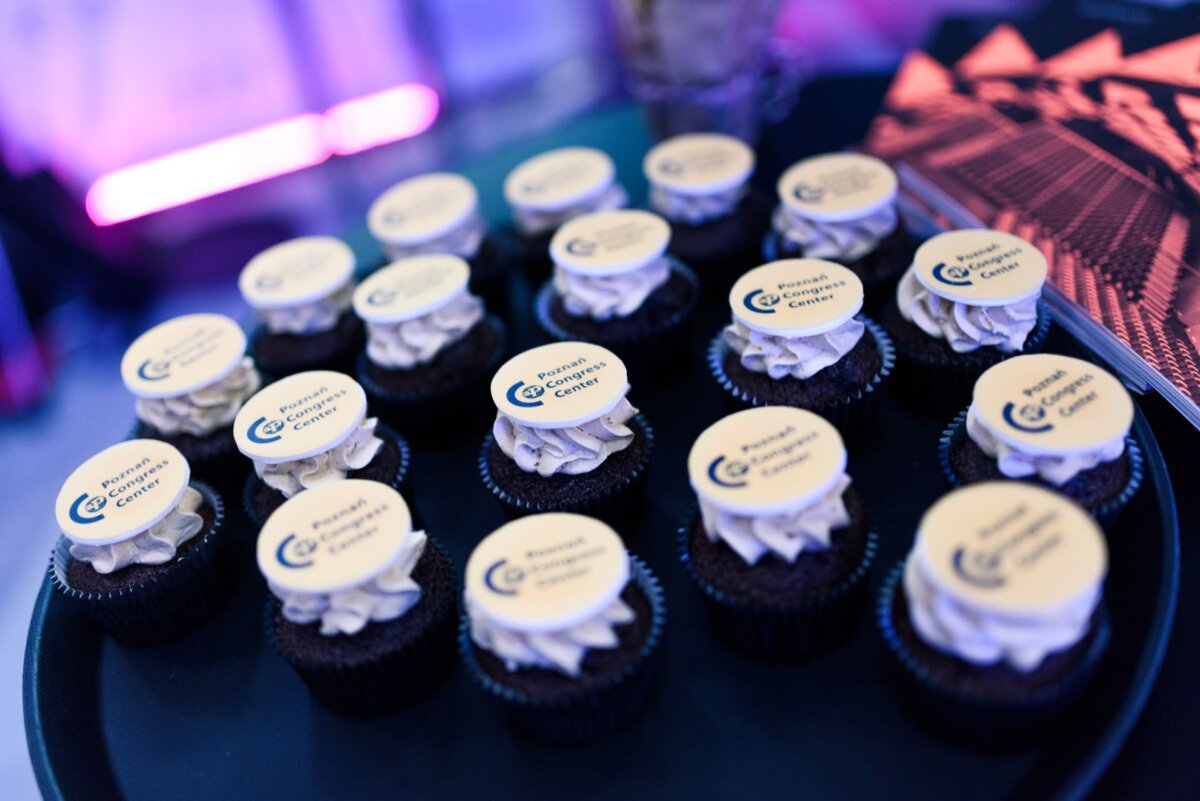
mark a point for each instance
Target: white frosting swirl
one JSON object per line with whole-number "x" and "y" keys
{"x": 1056, "y": 469}
{"x": 798, "y": 357}
{"x": 848, "y": 240}
{"x": 385, "y": 597}
{"x": 562, "y": 650}
{"x": 964, "y": 327}
{"x": 695, "y": 209}
{"x": 462, "y": 240}
{"x": 407, "y": 344}
{"x": 534, "y": 222}
{"x": 202, "y": 412}
{"x": 785, "y": 535}
{"x": 309, "y": 318}
{"x": 983, "y": 637}
{"x": 154, "y": 546}
{"x": 353, "y": 453}
{"x": 603, "y": 297}
{"x": 573, "y": 450}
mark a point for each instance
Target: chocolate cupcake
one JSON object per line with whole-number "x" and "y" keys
{"x": 363, "y": 607}
{"x": 562, "y": 625}
{"x": 301, "y": 291}
{"x": 551, "y": 188}
{"x": 842, "y": 207}
{"x": 613, "y": 285}
{"x": 797, "y": 339}
{"x": 439, "y": 213}
{"x": 994, "y": 624}
{"x": 143, "y": 552}
{"x": 431, "y": 351}
{"x": 781, "y": 549}
{"x": 970, "y": 299}
{"x": 700, "y": 183}
{"x": 190, "y": 376}
{"x": 1052, "y": 420}
{"x": 311, "y": 429}
{"x": 565, "y": 438}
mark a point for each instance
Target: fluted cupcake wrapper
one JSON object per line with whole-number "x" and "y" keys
{"x": 460, "y": 410}
{"x": 783, "y": 631}
{"x": 389, "y": 681}
{"x": 975, "y": 720}
{"x": 399, "y": 482}
{"x": 176, "y": 599}
{"x": 1105, "y": 513}
{"x": 588, "y": 713}
{"x": 613, "y": 505}
{"x": 853, "y": 414}
{"x": 213, "y": 458}
{"x": 647, "y": 354}
{"x": 954, "y": 379}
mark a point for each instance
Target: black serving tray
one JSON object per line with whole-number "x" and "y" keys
{"x": 217, "y": 714}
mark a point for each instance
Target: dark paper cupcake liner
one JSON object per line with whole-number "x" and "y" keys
{"x": 591, "y": 713}
{"x": 213, "y": 458}
{"x": 179, "y": 596}
{"x": 1105, "y": 513}
{"x": 783, "y": 631}
{"x": 389, "y": 681}
{"x": 853, "y": 415}
{"x": 463, "y": 409}
{"x": 973, "y": 719}
{"x": 954, "y": 380}
{"x": 648, "y": 355}
{"x": 613, "y": 505}
{"x": 400, "y": 482}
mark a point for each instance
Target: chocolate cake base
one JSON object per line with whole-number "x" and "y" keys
{"x": 775, "y": 581}
{"x": 835, "y": 383}
{"x": 1090, "y": 488}
{"x": 664, "y": 307}
{"x": 281, "y": 355}
{"x": 569, "y": 492}
{"x": 82, "y": 576}
{"x": 599, "y": 667}
{"x": 455, "y": 367}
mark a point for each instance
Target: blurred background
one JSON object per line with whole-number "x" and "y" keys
{"x": 149, "y": 149}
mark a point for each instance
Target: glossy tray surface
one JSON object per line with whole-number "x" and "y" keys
{"x": 216, "y": 714}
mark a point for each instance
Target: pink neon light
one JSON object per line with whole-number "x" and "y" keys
{"x": 261, "y": 153}
{"x": 379, "y": 118}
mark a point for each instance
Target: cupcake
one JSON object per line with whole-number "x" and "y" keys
{"x": 565, "y": 438}
{"x": 439, "y": 213}
{"x": 562, "y": 625}
{"x": 1052, "y": 420}
{"x": 613, "y": 285}
{"x": 431, "y": 350}
{"x": 301, "y": 291}
{"x": 143, "y": 550}
{"x": 842, "y": 207}
{"x": 551, "y": 188}
{"x": 994, "y": 623}
{"x": 781, "y": 549}
{"x": 701, "y": 184}
{"x": 362, "y": 607}
{"x": 189, "y": 377}
{"x": 970, "y": 299}
{"x": 310, "y": 429}
{"x": 797, "y": 339}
